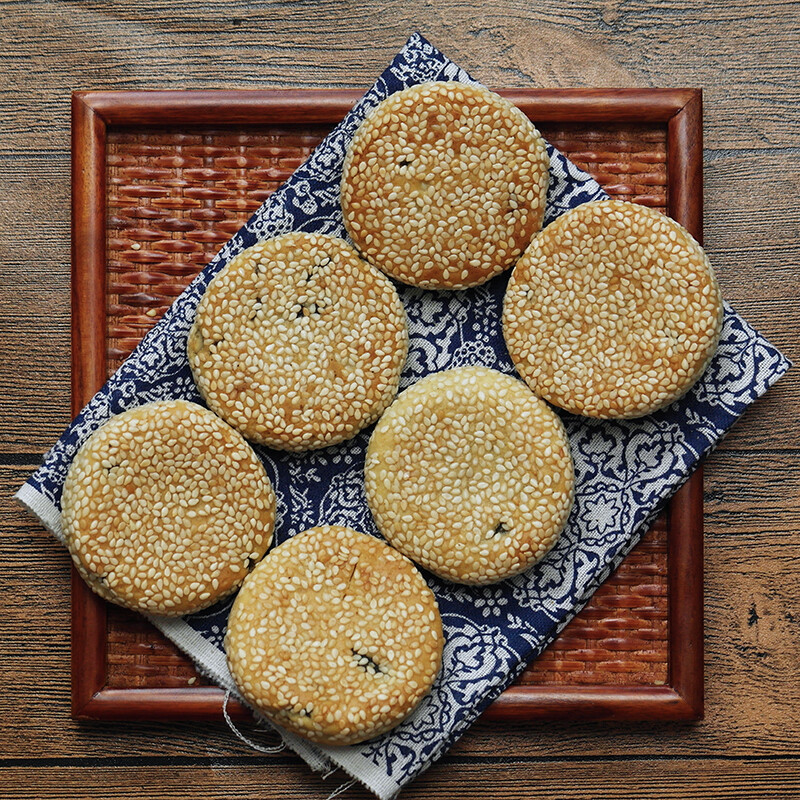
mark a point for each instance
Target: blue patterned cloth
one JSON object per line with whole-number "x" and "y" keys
{"x": 624, "y": 470}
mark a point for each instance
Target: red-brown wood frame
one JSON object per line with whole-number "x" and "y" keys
{"x": 93, "y": 112}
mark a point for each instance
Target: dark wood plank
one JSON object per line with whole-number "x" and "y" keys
{"x": 750, "y": 493}
{"x": 509, "y": 778}
{"x": 741, "y": 56}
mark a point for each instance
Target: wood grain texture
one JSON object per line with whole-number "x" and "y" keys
{"x": 513, "y": 779}
{"x": 117, "y": 45}
{"x": 744, "y": 55}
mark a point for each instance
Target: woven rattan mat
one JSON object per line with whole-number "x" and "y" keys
{"x": 175, "y": 196}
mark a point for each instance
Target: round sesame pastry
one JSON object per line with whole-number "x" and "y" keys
{"x": 444, "y": 185}
{"x": 166, "y": 509}
{"x": 334, "y": 636}
{"x": 470, "y": 475}
{"x": 298, "y": 343}
{"x": 613, "y": 311}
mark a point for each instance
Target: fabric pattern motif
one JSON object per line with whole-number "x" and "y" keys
{"x": 625, "y": 471}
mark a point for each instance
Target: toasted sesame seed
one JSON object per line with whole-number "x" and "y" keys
{"x": 334, "y": 636}
{"x": 470, "y": 475}
{"x": 134, "y": 537}
{"x": 444, "y": 185}
{"x": 298, "y": 343}
{"x": 613, "y": 311}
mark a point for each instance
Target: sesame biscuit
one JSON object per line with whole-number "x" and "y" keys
{"x": 470, "y": 475}
{"x": 613, "y": 311}
{"x": 334, "y": 636}
{"x": 166, "y": 509}
{"x": 298, "y": 343}
{"x": 444, "y": 185}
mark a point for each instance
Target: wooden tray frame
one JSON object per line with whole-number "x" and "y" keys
{"x": 93, "y": 112}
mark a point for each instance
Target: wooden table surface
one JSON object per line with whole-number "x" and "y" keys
{"x": 745, "y": 55}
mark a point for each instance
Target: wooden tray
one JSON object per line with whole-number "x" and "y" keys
{"x": 162, "y": 179}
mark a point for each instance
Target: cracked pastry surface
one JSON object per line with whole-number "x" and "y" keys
{"x": 334, "y": 636}
{"x": 298, "y": 343}
{"x": 444, "y": 185}
{"x": 470, "y": 475}
{"x": 613, "y": 311}
{"x": 166, "y": 509}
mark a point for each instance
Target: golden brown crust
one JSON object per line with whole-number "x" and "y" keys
{"x": 298, "y": 343}
{"x": 166, "y": 509}
{"x": 613, "y": 311}
{"x": 334, "y": 636}
{"x": 444, "y": 185}
{"x": 470, "y": 475}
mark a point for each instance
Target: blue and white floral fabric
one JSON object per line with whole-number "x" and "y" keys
{"x": 624, "y": 470}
